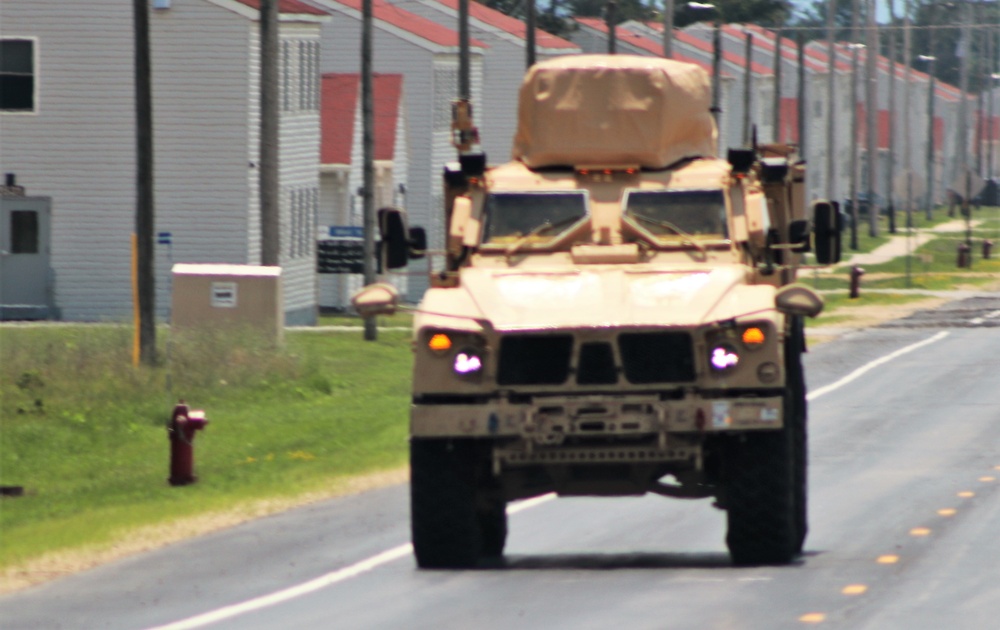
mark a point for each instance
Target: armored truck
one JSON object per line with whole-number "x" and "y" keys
{"x": 615, "y": 313}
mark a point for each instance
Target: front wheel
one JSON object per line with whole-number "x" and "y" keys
{"x": 458, "y": 513}
{"x": 761, "y": 499}
{"x": 443, "y": 518}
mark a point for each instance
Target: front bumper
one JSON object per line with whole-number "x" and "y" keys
{"x": 552, "y": 420}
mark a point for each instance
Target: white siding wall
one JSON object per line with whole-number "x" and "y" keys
{"x": 79, "y": 147}
{"x": 200, "y": 71}
{"x": 300, "y": 138}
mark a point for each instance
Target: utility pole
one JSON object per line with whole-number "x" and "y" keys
{"x": 831, "y": 137}
{"x": 931, "y": 88}
{"x": 464, "y": 88}
{"x": 890, "y": 171}
{"x": 716, "y": 65}
{"x": 747, "y": 87}
{"x": 668, "y": 29}
{"x": 776, "y": 110}
{"x": 855, "y": 46}
{"x": 871, "y": 105}
{"x": 529, "y": 45}
{"x": 368, "y": 159}
{"x": 144, "y": 208}
{"x": 610, "y": 19}
{"x": 965, "y": 47}
{"x": 803, "y": 128}
{"x": 907, "y": 52}
{"x": 270, "y": 192}
{"x": 962, "y": 138}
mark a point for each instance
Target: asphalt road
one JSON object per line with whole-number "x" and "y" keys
{"x": 905, "y": 531}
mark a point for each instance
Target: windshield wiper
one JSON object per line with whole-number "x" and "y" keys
{"x": 538, "y": 230}
{"x": 689, "y": 238}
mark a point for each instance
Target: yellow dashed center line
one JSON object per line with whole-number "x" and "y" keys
{"x": 889, "y": 559}
{"x": 813, "y": 618}
{"x": 947, "y": 512}
{"x": 987, "y": 479}
{"x": 920, "y": 531}
{"x": 966, "y": 494}
{"x": 854, "y": 589}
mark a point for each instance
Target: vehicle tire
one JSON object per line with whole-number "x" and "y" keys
{"x": 444, "y": 521}
{"x": 492, "y": 516}
{"x": 762, "y": 498}
{"x": 796, "y": 411}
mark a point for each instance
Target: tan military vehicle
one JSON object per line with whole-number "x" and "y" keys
{"x": 616, "y": 316}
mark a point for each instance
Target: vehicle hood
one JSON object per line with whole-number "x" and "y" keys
{"x": 506, "y": 299}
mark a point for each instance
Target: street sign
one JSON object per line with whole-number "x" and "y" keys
{"x": 163, "y": 238}
{"x": 340, "y": 255}
{"x": 346, "y": 231}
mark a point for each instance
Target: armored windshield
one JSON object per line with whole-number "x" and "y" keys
{"x": 532, "y": 218}
{"x": 677, "y": 216}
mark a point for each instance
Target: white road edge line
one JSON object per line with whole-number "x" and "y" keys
{"x": 354, "y": 570}
{"x": 874, "y": 364}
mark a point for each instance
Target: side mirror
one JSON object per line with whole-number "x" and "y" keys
{"x": 798, "y": 234}
{"x": 376, "y": 299}
{"x": 418, "y": 243}
{"x": 798, "y": 299}
{"x": 827, "y": 222}
{"x": 400, "y": 243}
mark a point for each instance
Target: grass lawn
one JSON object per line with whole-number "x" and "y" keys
{"x": 84, "y": 432}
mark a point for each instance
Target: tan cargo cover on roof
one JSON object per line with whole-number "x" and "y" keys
{"x": 604, "y": 110}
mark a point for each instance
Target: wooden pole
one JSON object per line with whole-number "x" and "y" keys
{"x": 270, "y": 182}
{"x": 144, "y": 213}
{"x": 368, "y": 157}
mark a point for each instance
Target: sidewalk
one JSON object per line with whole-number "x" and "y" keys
{"x": 903, "y": 244}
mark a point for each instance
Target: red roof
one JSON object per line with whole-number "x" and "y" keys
{"x": 412, "y": 23}
{"x": 287, "y": 6}
{"x": 634, "y": 39}
{"x": 339, "y": 104}
{"x": 510, "y": 25}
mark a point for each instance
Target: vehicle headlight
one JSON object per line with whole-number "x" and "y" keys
{"x": 467, "y": 362}
{"x": 462, "y": 352}
{"x": 723, "y": 357}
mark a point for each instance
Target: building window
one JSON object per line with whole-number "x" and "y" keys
{"x": 286, "y": 76}
{"x": 24, "y": 232}
{"x": 17, "y": 75}
{"x": 299, "y": 76}
{"x": 308, "y": 76}
{"x": 304, "y": 211}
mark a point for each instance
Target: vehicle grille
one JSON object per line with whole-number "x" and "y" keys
{"x": 645, "y": 358}
{"x": 534, "y": 359}
{"x": 657, "y": 357}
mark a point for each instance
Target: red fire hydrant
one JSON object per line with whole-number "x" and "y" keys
{"x": 855, "y": 290}
{"x": 183, "y": 424}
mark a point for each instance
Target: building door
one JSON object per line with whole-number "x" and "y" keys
{"x": 25, "y": 276}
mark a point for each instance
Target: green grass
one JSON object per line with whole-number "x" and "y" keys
{"x": 83, "y": 431}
